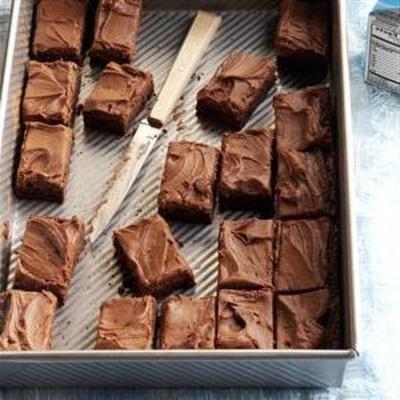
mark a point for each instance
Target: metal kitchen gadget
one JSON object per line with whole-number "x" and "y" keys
{"x": 195, "y": 45}
{"x": 249, "y": 25}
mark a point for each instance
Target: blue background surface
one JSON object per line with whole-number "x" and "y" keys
{"x": 376, "y": 126}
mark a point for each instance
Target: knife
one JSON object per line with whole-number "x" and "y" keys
{"x": 200, "y": 35}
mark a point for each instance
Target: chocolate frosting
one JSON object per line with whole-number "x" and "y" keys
{"x": 246, "y": 164}
{"x": 59, "y": 26}
{"x": 49, "y": 252}
{"x": 117, "y": 25}
{"x": 304, "y": 249}
{"x": 303, "y": 27}
{"x": 303, "y": 119}
{"x": 152, "y": 255}
{"x": 245, "y": 254}
{"x": 188, "y": 323}
{"x": 26, "y": 320}
{"x": 305, "y": 184}
{"x": 50, "y": 92}
{"x": 239, "y": 80}
{"x": 127, "y": 324}
{"x": 121, "y": 90}
{"x": 299, "y": 319}
{"x": 245, "y": 319}
{"x": 189, "y": 176}
{"x": 45, "y": 154}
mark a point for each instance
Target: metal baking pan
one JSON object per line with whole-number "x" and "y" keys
{"x": 247, "y": 25}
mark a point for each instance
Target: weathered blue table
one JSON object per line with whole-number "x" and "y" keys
{"x": 376, "y": 123}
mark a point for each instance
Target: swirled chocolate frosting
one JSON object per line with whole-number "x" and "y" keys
{"x": 245, "y": 254}
{"x": 188, "y": 323}
{"x": 300, "y": 320}
{"x": 304, "y": 251}
{"x": 120, "y": 94}
{"x": 60, "y": 29}
{"x": 26, "y": 320}
{"x": 116, "y": 31}
{"x": 303, "y": 30}
{"x": 245, "y": 177}
{"x": 127, "y": 324}
{"x": 305, "y": 184}
{"x": 149, "y": 252}
{"x": 188, "y": 184}
{"x": 245, "y": 319}
{"x": 44, "y": 163}
{"x": 51, "y": 92}
{"x": 236, "y": 89}
{"x": 303, "y": 119}
{"x": 50, "y": 249}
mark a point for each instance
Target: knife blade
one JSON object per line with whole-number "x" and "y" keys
{"x": 200, "y": 35}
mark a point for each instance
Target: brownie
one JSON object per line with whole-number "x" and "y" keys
{"x": 149, "y": 252}
{"x": 245, "y": 319}
{"x": 48, "y": 255}
{"x": 245, "y": 177}
{"x": 304, "y": 119}
{"x": 51, "y": 92}
{"x": 237, "y": 88}
{"x": 59, "y": 30}
{"x": 188, "y": 323}
{"x": 116, "y": 31}
{"x": 245, "y": 254}
{"x": 26, "y": 320}
{"x": 118, "y": 97}
{"x": 305, "y": 184}
{"x": 44, "y": 163}
{"x": 300, "y": 320}
{"x": 187, "y": 191}
{"x": 127, "y": 324}
{"x": 305, "y": 254}
{"x": 303, "y": 32}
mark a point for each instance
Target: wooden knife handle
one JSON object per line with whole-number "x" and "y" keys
{"x": 195, "y": 45}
